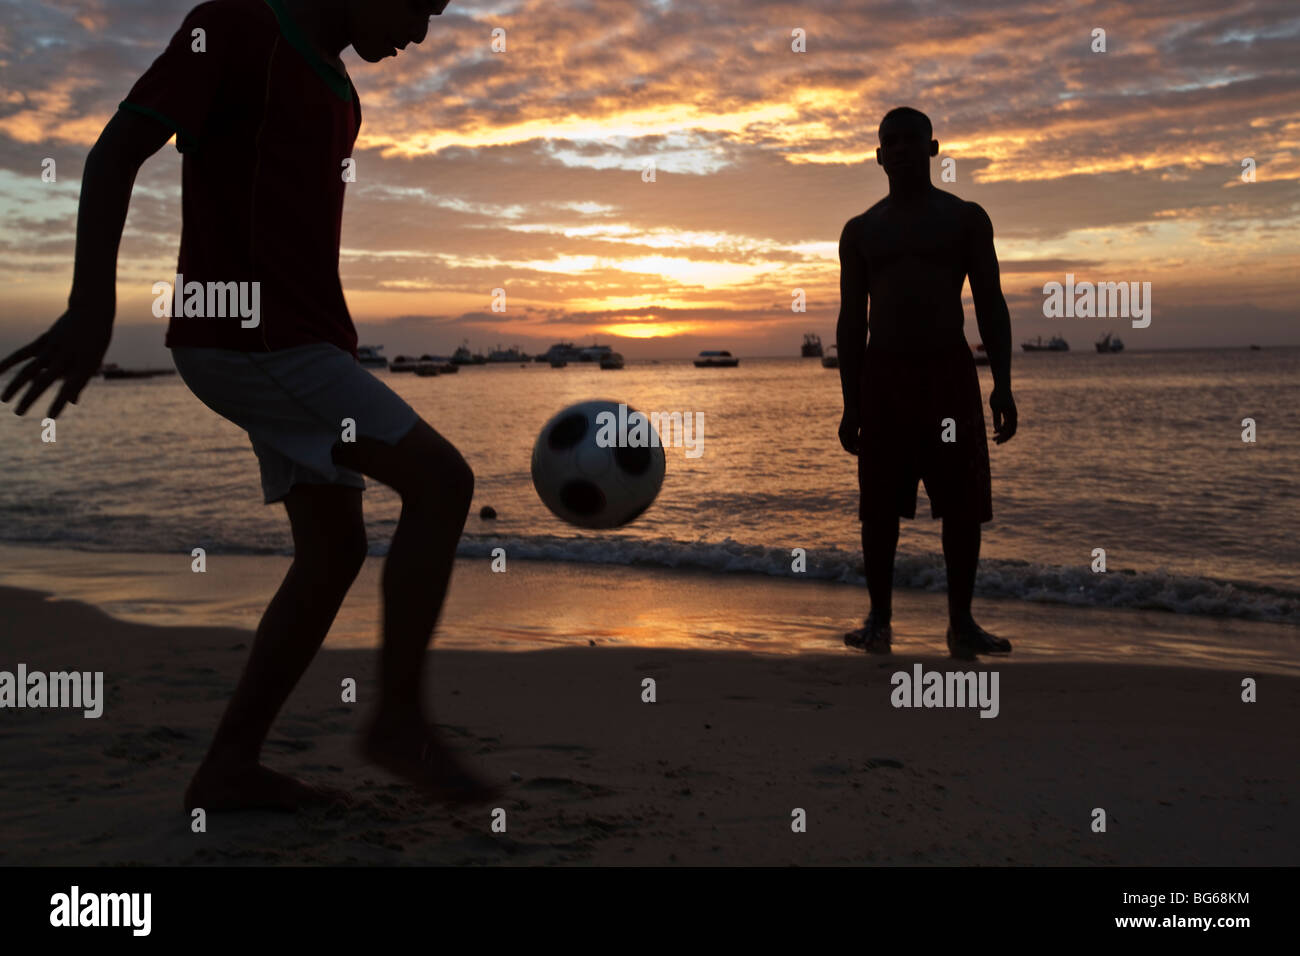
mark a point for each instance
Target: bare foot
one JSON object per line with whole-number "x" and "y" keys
{"x": 967, "y": 639}
{"x": 255, "y": 788}
{"x": 874, "y": 636}
{"x": 414, "y": 753}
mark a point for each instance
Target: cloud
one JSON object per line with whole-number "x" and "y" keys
{"x": 523, "y": 170}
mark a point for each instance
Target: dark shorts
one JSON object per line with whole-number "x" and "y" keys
{"x": 907, "y": 399}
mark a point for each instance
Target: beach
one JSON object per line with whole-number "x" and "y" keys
{"x": 1123, "y": 693}
{"x": 760, "y": 711}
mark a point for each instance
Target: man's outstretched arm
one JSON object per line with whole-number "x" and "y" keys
{"x": 74, "y": 346}
{"x": 851, "y": 333}
{"x": 993, "y": 319}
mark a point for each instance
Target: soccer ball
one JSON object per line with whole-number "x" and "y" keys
{"x": 598, "y": 464}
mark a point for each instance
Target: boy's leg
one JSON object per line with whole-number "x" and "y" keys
{"x": 879, "y": 544}
{"x": 329, "y": 537}
{"x": 886, "y": 485}
{"x": 879, "y": 541}
{"x": 958, "y": 481}
{"x": 436, "y": 486}
{"x": 961, "y": 554}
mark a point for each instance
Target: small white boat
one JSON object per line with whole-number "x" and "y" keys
{"x": 716, "y": 358}
{"x": 831, "y": 359}
{"x": 368, "y": 355}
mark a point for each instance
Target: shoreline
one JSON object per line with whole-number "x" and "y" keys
{"x": 559, "y": 604}
{"x": 706, "y": 775}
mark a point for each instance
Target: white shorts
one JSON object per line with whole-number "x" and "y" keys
{"x": 293, "y": 403}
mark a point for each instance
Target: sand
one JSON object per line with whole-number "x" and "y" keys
{"x": 709, "y": 774}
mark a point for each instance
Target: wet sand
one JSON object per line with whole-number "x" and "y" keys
{"x": 708, "y": 774}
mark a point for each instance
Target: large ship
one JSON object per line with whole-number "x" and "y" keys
{"x": 463, "y": 356}
{"x": 507, "y": 355}
{"x": 1054, "y": 344}
{"x": 559, "y": 354}
{"x": 594, "y": 353}
{"x": 812, "y": 345}
{"x": 1109, "y": 343}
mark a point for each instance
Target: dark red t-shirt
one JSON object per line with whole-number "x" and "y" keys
{"x": 264, "y": 126}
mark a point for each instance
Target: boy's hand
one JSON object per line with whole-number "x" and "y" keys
{"x": 850, "y": 427}
{"x": 72, "y": 350}
{"x": 1003, "y": 407}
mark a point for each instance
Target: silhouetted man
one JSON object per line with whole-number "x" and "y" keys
{"x": 912, "y": 407}
{"x": 266, "y": 116}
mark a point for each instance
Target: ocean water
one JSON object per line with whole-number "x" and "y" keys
{"x": 1138, "y": 453}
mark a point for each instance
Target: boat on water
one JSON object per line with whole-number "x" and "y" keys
{"x": 1255, "y": 348}
{"x": 463, "y": 356}
{"x": 429, "y": 365}
{"x": 612, "y": 360}
{"x": 368, "y": 356}
{"x": 1110, "y": 343}
{"x": 812, "y": 345}
{"x": 113, "y": 370}
{"x": 562, "y": 352}
{"x": 716, "y": 358}
{"x": 980, "y": 354}
{"x": 1054, "y": 344}
{"x": 511, "y": 354}
{"x": 831, "y": 359}
{"x": 403, "y": 363}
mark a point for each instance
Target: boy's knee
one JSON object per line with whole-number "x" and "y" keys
{"x": 329, "y": 532}
{"x": 446, "y": 479}
{"x": 462, "y": 481}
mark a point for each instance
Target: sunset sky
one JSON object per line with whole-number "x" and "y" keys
{"x": 523, "y": 169}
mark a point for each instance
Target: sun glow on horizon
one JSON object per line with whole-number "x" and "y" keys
{"x": 651, "y": 330}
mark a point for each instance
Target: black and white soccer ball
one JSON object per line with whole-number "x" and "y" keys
{"x": 593, "y": 484}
